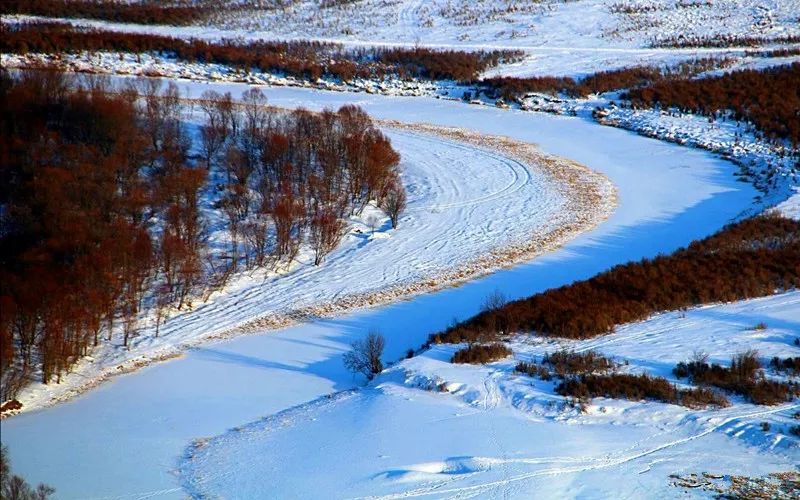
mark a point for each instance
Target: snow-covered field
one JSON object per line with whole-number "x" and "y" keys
{"x": 580, "y": 23}
{"x": 559, "y": 37}
{"x": 127, "y": 438}
{"x": 493, "y": 433}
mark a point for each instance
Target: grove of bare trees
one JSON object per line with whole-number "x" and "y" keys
{"x": 105, "y": 200}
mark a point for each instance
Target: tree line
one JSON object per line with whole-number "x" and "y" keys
{"x": 768, "y": 98}
{"x": 175, "y": 12}
{"x": 301, "y": 59}
{"x": 751, "y": 258}
{"x": 103, "y": 194}
{"x": 512, "y": 88}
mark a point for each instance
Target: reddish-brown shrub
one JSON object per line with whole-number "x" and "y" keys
{"x": 481, "y": 353}
{"x": 751, "y": 258}
{"x": 596, "y": 83}
{"x": 566, "y": 363}
{"x": 534, "y": 370}
{"x": 768, "y": 98}
{"x": 10, "y": 406}
{"x": 790, "y": 365}
{"x": 637, "y": 388}
{"x": 740, "y": 378}
{"x": 178, "y": 12}
{"x": 303, "y": 59}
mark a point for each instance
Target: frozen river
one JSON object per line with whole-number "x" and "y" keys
{"x": 124, "y": 439}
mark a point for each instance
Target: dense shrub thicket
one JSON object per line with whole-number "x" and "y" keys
{"x": 534, "y": 369}
{"x": 100, "y": 204}
{"x": 637, "y": 388}
{"x": 303, "y": 59}
{"x": 769, "y": 98}
{"x": 788, "y": 365}
{"x": 747, "y": 259}
{"x": 481, "y": 353}
{"x": 742, "y": 377}
{"x": 174, "y": 12}
{"x": 566, "y": 363}
{"x": 596, "y": 83}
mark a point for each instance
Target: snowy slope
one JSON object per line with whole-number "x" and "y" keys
{"x": 493, "y": 433}
{"x": 132, "y": 432}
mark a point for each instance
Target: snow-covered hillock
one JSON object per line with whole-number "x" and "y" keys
{"x": 430, "y": 428}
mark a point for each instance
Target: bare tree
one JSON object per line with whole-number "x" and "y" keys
{"x": 494, "y": 301}
{"x": 326, "y": 231}
{"x": 214, "y": 132}
{"x": 365, "y": 357}
{"x": 13, "y": 487}
{"x": 394, "y": 202}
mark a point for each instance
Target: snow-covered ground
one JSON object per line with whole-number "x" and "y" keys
{"x": 580, "y": 23}
{"x": 493, "y": 433}
{"x": 564, "y": 38}
{"x": 127, "y": 438}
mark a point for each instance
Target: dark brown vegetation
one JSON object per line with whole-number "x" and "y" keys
{"x": 767, "y": 98}
{"x": 565, "y": 363}
{"x": 751, "y": 258}
{"x": 723, "y": 41}
{"x": 743, "y": 377}
{"x": 588, "y": 375}
{"x": 788, "y": 365}
{"x": 100, "y": 205}
{"x": 597, "y": 83}
{"x": 173, "y": 12}
{"x": 534, "y": 370}
{"x": 637, "y": 388}
{"x": 481, "y": 353}
{"x": 302, "y": 59}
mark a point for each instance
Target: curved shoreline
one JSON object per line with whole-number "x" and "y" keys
{"x": 590, "y": 198}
